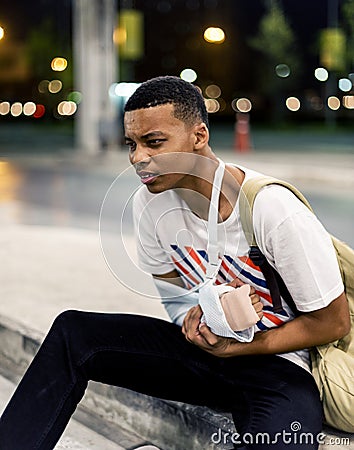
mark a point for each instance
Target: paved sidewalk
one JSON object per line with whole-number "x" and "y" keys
{"x": 47, "y": 270}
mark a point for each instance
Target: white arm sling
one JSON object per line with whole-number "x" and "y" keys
{"x": 177, "y": 301}
{"x": 209, "y": 294}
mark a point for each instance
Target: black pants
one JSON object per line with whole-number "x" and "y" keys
{"x": 266, "y": 394}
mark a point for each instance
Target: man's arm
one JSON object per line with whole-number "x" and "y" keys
{"x": 178, "y": 304}
{"x": 171, "y": 277}
{"x": 308, "y": 330}
{"x": 176, "y": 299}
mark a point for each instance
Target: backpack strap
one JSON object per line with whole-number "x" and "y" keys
{"x": 247, "y": 196}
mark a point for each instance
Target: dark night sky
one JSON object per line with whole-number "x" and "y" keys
{"x": 306, "y": 16}
{"x": 239, "y": 18}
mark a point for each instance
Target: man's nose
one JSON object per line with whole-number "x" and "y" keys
{"x": 141, "y": 155}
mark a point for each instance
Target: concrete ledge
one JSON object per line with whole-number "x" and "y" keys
{"x": 169, "y": 425}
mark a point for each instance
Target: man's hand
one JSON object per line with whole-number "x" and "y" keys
{"x": 255, "y": 299}
{"x": 198, "y": 333}
{"x": 256, "y": 303}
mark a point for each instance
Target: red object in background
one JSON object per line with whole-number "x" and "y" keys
{"x": 40, "y": 111}
{"x": 242, "y": 142}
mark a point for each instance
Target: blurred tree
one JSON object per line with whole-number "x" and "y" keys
{"x": 39, "y": 49}
{"x": 281, "y": 65}
{"x": 43, "y": 44}
{"x": 348, "y": 18}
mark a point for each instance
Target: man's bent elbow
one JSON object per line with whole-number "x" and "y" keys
{"x": 344, "y": 319}
{"x": 336, "y": 319}
{"x": 344, "y": 327}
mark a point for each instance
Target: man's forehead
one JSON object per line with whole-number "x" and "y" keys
{"x": 150, "y": 111}
{"x": 156, "y": 117}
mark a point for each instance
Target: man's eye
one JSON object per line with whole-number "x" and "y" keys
{"x": 155, "y": 142}
{"x": 131, "y": 146}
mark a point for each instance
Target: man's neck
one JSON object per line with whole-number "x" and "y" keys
{"x": 197, "y": 194}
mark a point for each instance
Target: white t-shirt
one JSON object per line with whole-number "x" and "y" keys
{"x": 170, "y": 236}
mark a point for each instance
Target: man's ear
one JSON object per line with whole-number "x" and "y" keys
{"x": 201, "y": 136}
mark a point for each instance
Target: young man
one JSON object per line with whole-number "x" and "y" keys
{"x": 262, "y": 376}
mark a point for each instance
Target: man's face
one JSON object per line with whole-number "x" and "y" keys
{"x": 161, "y": 147}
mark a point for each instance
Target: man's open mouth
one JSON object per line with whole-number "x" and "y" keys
{"x": 147, "y": 177}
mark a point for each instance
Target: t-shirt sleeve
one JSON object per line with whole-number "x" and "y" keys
{"x": 298, "y": 246}
{"x": 152, "y": 258}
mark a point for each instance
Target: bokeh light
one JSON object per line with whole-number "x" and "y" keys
{"x": 2, "y": 33}
{"x": 321, "y": 74}
{"x": 75, "y": 97}
{"x": 4, "y": 108}
{"x": 213, "y": 91}
{"x": 124, "y": 90}
{"x": 293, "y": 104}
{"x": 67, "y": 108}
{"x": 348, "y": 101}
{"x": 345, "y": 84}
{"x": 333, "y": 103}
{"x": 55, "y": 86}
{"x": 188, "y": 75}
{"x": 59, "y": 64}
{"x": 40, "y": 111}
{"x": 29, "y": 108}
{"x": 119, "y": 36}
{"x": 243, "y": 105}
{"x": 214, "y": 35}
{"x": 212, "y": 105}
{"x": 16, "y": 109}
{"x": 43, "y": 86}
{"x": 282, "y": 70}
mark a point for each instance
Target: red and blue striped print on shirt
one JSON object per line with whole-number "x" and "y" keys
{"x": 190, "y": 264}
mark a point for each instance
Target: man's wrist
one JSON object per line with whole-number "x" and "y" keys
{"x": 258, "y": 346}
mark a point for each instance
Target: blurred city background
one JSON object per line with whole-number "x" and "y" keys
{"x": 67, "y": 67}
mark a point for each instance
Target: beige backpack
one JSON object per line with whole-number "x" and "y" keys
{"x": 332, "y": 364}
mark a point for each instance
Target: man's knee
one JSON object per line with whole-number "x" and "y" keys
{"x": 68, "y": 319}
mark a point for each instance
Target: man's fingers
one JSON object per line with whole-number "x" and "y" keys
{"x": 190, "y": 327}
{"x": 255, "y": 298}
{"x": 210, "y": 338}
{"x": 236, "y": 282}
{"x": 256, "y": 303}
{"x": 258, "y": 307}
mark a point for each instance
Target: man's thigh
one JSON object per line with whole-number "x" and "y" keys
{"x": 279, "y": 404}
{"x": 144, "y": 354}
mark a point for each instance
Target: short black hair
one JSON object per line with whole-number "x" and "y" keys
{"x": 187, "y": 100}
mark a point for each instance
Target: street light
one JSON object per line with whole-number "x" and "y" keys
{"x": 214, "y": 35}
{"x": 59, "y": 64}
{"x": 2, "y": 33}
{"x": 188, "y": 75}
